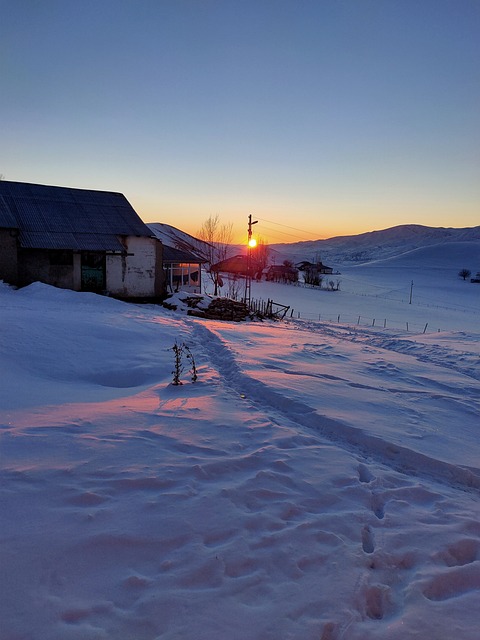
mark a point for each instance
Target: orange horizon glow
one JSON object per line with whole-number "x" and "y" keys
{"x": 268, "y": 232}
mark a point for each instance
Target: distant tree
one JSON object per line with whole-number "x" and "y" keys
{"x": 465, "y": 273}
{"x": 332, "y": 286}
{"x": 235, "y": 286}
{"x": 260, "y": 255}
{"x": 218, "y": 238}
{"x": 312, "y": 277}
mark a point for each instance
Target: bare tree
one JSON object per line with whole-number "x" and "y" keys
{"x": 465, "y": 273}
{"x": 261, "y": 255}
{"x": 218, "y": 238}
{"x": 312, "y": 276}
{"x": 235, "y": 285}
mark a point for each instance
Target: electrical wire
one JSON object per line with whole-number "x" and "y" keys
{"x": 276, "y": 234}
{"x": 309, "y": 233}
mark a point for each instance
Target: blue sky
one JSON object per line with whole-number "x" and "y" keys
{"x": 319, "y": 118}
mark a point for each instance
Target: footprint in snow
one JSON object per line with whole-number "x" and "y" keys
{"x": 364, "y": 474}
{"x": 368, "y": 540}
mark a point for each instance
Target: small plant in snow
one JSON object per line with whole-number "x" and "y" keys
{"x": 179, "y": 351}
{"x": 193, "y": 366}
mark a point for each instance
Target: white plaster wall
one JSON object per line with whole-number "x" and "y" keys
{"x": 133, "y": 276}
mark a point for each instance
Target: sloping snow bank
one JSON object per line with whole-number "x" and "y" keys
{"x": 316, "y": 482}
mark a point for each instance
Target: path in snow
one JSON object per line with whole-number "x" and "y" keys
{"x": 358, "y": 440}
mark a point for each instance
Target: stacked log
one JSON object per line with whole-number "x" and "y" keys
{"x": 223, "y": 309}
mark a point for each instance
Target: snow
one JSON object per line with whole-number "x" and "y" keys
{"x": 319, "y": 480}
{"x": 384, "y": 243}
{"x": 380, "y": 291}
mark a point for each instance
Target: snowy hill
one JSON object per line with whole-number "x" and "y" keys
{"x": 373, "y": 245}
{"x": 419, "y": 287}
{"x": 342, "y": 250}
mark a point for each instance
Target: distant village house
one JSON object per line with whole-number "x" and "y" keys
{"x": 236, "y": 265}
{"x": 318, "y": 267}
{"x": 285, "y": 273}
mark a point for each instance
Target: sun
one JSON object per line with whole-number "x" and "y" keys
{"x": 252, "y": 243}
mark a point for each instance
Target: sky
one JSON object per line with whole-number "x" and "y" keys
{"x": 318, "y": 118}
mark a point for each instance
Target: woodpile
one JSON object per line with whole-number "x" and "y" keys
{"x": 223, "y": 309}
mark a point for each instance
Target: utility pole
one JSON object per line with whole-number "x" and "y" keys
{"x": 411, "y": 291}
{"x": 248, "y": 277}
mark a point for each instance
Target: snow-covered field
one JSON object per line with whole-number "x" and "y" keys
{"x": 319, "y": 481}
{"x": 380, "y": 291}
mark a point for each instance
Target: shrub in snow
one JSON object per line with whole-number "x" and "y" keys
{"x": 179, "y": 351}
{"x": 191, "y": 359}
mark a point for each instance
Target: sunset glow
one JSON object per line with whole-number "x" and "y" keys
{"x": 328, "y": 118}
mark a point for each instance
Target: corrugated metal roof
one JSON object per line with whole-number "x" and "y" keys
{"x": 235, "y": 264}
{"x": 171, "y": 254}
{"x": 7, "y": 220}
{"x": 75, "y": 241}
{"x": 62, "y": 217}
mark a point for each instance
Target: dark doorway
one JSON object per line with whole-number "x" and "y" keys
{"x": 93, "y": 271}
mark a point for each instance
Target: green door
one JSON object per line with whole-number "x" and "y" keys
{"x": 93, "y": 271}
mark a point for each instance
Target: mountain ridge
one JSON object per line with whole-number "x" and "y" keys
{"x": 338, "y": 250}
{"x": 374, "y": 245}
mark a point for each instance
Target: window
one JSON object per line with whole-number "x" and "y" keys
{"x": 182, "y": 275}
{"x": 61, "y": 258}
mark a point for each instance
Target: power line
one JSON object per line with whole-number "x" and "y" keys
{"x": 286, "y": 226}
{"x": 284, "y": 233}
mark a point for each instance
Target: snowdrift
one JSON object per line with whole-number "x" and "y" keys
{"x": 318, "y": 481}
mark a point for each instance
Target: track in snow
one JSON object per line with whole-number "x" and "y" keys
{"x": 466, "y": 363}
{"x": 367, "y": 446}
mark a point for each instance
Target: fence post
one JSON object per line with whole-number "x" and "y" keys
{"x": 425, "y": 327}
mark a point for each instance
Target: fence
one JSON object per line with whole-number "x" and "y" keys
{"x": 270, "y": 309}
{"x": 381, "y": 323}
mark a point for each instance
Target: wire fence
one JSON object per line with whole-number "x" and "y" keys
{"x": 364, "y": 321}
{"x": 269, "y": 308}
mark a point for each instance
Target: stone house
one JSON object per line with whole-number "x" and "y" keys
{"x": 77, "y": 239}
